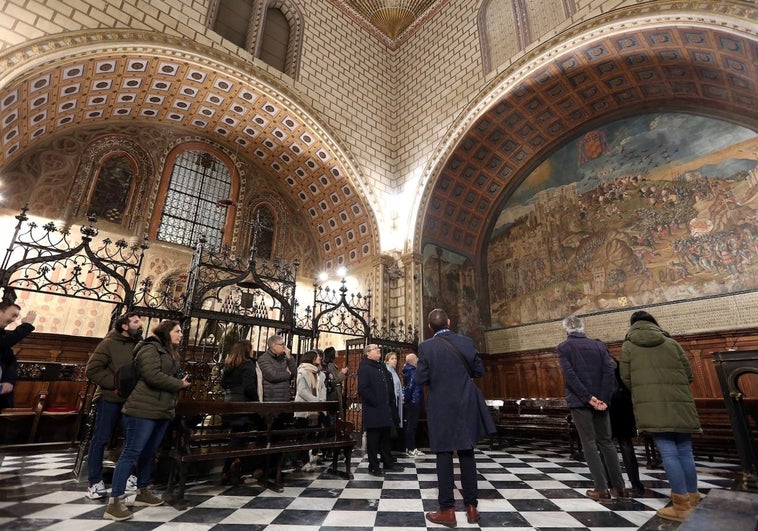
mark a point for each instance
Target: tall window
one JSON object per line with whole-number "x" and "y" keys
{"x": 191, "y": 211}
{"x": 263, "y": 223}
{"x": 232, "y": 20}
{"x": 111, "y": 194}
{"x": 271, "y": 30}
{"x": 275, "y": 39}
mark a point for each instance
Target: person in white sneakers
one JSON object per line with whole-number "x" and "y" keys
{"x": 147, "y": 414}
{"x": 413, "y": 395}
{"x": 115, "y": 350}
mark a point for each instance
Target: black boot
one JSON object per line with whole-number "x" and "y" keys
{"x": 631, "y": 466}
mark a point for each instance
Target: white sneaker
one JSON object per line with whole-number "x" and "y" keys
{"x": 415, "y": 453}
{"x": 131, "y": 483}
{"x": 97, "y": 491}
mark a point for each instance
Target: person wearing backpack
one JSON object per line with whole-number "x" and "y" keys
{"x": 147, "y": 413}
{"x": 114, "y": 351}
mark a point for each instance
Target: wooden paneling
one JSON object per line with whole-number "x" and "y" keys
{"x": 537, "y": 374}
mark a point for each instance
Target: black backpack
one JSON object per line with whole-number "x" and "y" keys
{"x": 127, "y": 377}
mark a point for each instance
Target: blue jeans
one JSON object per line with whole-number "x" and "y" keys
{"x": 142, "y": 438}
{"x": 446, "y": 483}
{"x": 678, "y": 461}
{"x": 107, "y": 415}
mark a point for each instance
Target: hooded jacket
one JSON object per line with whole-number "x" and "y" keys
{"x": 114, "y": 351}
{"x": 655, "y": 369}
{"x": 154, "y": 396}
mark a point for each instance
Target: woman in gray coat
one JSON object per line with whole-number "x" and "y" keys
{"x": 655, "y": 369}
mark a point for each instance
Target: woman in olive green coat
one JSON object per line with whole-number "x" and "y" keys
{"x": 147, "y": 412}
{"x": 655, "y": 368}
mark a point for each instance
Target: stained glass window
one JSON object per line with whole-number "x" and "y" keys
{"x": 190, "y": 212}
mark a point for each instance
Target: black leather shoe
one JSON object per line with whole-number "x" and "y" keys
{"x": 394, "y": 468}
{"x": 376, "y": 472}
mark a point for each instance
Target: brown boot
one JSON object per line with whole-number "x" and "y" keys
{"x": 117, "y": 510}
{"x": 444, "y": 517}
{"x": 679, "y": 510}
{"x": 694, "y": 498}
{"x": 472, "y": 514}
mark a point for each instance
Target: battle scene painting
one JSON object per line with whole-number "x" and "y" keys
{"x": 650, "y": 209}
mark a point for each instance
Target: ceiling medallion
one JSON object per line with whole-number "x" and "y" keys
{"x": 390, "y": 17}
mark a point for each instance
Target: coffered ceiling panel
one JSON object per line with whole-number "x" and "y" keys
{"x": 241, "y": 115}
{"x": 676, "y": 68}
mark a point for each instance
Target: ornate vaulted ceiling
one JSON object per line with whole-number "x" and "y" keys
{"x": 691, "y": 68}
{"x": 125, "y": 83}
{"x": 655, "y": 68}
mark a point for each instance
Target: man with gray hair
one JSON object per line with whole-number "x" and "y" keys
{"x": 590, "y": 380}
{"x": 278, "y": 367}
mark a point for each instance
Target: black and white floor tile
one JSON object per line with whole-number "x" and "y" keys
{"x": 532, "y": 486}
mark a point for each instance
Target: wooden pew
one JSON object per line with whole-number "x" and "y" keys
{"x": 51, "y": 401}
{"x": 535, "y": 418}
{"x": 201, "y": 432}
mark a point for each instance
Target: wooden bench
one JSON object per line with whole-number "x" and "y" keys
{"x": 717, "y": 439}
{"x": 202, "y": 432}
{"x": 50, "y": 398}
{"x": 530, "y": 418}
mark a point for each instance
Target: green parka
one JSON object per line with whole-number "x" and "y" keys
{"x": 154, "y": 396}
{"x": 111, "y": 353}
{"x": 655, "y": 368}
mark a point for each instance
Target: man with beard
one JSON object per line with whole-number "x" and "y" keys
{"x": 114, "y": 351}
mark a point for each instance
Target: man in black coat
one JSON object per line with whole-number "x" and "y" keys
{"x": 377, "y": 392}
{"x": 456, "y": 414}
{"x": 9, "y": 312}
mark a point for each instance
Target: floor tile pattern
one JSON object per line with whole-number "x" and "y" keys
{"x": 532, "y": 486}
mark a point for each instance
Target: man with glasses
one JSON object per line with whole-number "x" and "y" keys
{"x": 278, "y": 367}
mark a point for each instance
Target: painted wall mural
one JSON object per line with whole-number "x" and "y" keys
{"x": 449, "y": 284}
{"x": 645, "y": 210}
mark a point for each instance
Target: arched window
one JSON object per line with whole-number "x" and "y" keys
{"x": 232, "y": 20}
{"x": 196, "y": 199}
{"x": 110, "y": 196}
{"x": 264, "y": 226}
{"x": 271, "y": 30}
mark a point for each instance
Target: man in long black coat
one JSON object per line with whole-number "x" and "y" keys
{"x": 377, "y": 392}
{"x": 456, "y": 414}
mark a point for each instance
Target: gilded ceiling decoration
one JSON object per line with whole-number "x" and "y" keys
{"x": 390, "y": 18}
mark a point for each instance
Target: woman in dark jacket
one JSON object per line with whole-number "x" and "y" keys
{"x": 655, "y": 368}
{"x": 241, "y": 384}
{"x": 147, "y": 413}
{"x": 624, "y": 430}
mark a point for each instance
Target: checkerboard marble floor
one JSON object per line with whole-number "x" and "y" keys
{"x": 528, "y": 486}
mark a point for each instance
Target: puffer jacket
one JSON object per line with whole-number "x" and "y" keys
{"x": 587, "y": 369}
{"x": 154, "y": 396}
{"x": 655, "y": 369}
{"x": 241, "y": 383}
{"x": 277, "y": 372}
{"x": 111, "y": 353}
{"x": 412, "y": 392}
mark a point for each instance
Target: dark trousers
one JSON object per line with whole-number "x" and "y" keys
{"x": 446, "y": 483}
{"x": 630, "y": 461}
{"x": 594, "y": 429}
{"x": 378, "y": 444}
{"x": 412, "y": 412}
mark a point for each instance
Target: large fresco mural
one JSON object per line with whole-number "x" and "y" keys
{"x": 645, "y": 210}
